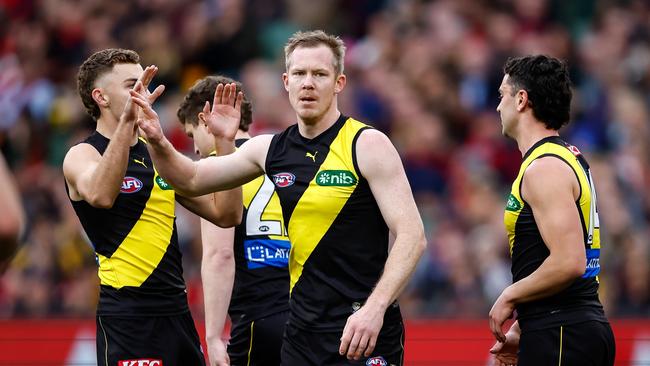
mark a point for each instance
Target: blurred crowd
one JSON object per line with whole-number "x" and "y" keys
{"x": 424, "y": 72}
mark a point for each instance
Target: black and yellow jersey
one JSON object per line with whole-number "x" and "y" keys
{"x": 136, "y": 242}
{"x": 579, "y": 301}
{"x": 261, "y": 250}
{"x": 339, "y": 238}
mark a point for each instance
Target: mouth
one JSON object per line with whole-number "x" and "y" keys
{"x": 307, "y": 99}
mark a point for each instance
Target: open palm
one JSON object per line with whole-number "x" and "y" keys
{"x": 223, "y": 119}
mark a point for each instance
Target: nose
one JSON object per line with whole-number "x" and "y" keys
{"x": 308, "y": 82}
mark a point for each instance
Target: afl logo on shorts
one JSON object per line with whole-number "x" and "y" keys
{"x": 130, "y": 185}
{"x": 376, "y": 361}
{"x": 283, "y": 180}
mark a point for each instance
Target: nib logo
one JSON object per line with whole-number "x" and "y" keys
{"x": 140, "y": 362}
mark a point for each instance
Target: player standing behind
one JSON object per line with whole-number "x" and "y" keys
{"x": 127, "y": 210}
{"x": 551, "y": 218}
{"x": 260, "y": 294}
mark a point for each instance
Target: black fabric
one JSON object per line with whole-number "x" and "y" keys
{"x": 305, "y": 348}
{"x": 172, "y": 340}
{"x": 266, "y": 341}
{"x": 588, "y": 343}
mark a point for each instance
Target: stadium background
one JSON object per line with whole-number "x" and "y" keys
{"x": 424, "y": 72}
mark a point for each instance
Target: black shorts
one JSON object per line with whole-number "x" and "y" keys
{"x": 159, "y": 341}
{"x": 305, "y": 348}
{"x": 257, "y": 342}
{"x": 583, "y": 344}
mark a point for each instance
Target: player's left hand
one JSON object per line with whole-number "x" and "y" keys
{"x": 361, "y": 332}
{"x": 148, "y": 120}
{"x": 502, "y": 310}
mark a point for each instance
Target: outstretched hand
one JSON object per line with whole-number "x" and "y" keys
{"x": 148, "y": 120}
{"x": 223, "y": 119}
{"x": 131, "y": 111}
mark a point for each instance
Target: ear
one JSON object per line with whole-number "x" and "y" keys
{"x": 341, "y": 81}
{"x": 202, "y": 118}
{"x": 522, "y": 100}
{"x": 285, "y": 81}
{"x": 100, "y": 98}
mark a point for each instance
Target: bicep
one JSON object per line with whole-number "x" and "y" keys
{"x": 78, "y": 168}
{"x": 548, "y": 188}
{"x": 382, "y": 167}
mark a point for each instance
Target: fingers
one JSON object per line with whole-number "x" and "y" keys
{"x": 156, "y": 93}
{"x": 345, "y": 340}
{"x": 363, "y": 345}
{"x": 371, "y": 345}
{"x": 354, "y": 345}
{"x": 148, "y": 74}
{"x": 238, "y": 101}
{"x": 217, "y": 96}
{"x": 141, "y": 102}
{"x": 496, "y": 347}
{"x": 495, "y": 326}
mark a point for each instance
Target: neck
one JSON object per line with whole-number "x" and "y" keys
{"x": 532, "y": 132}
{"x": 107, "y": 125}
{"x": 311, "y": 129}
{"x": 242, "y": 135}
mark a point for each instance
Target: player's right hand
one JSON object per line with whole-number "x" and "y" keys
{"x": 148, "y": 121}
{"x": 505, "y": 353}
{"x": 223, "y": 118}
{"x": 217, "y": 353}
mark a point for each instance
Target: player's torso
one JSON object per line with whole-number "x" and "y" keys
{"x": 338, "y": 235}
{"x": 527, "y": 247}
{"x": 135, "y": 241}
{"x": 261, "y": 254}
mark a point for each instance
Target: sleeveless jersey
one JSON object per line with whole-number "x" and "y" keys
{"x": 579, "y": 301}
{"x": 261, "y": 249}
{"x": 339, "y": 238}
{"x": 136, "y": 242}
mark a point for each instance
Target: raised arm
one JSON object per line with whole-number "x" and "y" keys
{"x": 380, "y": 164}
{"x": 559, "y": 224}
{"x": 208, "y": 175}
{"x": 97, "y": 178}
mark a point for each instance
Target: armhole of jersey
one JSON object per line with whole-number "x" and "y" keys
{"x": 521, "y": 183}
{"x": 269, "y": 152}
{"x": 354, "y": 151}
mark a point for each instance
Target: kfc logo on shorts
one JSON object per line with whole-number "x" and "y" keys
{"x": 376, "y": 361}
{"x": 283, "y": 180}
{"x": 130, "y": 185}
{"x": 140, "y": 362}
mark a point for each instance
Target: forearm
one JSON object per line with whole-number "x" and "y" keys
{"x": 12, "y": 220}
{"x": 106, "y": 179}
{"x": 228, "y": 204}
{"x": 218, "y": 275}
{"x": 554, "y": 275}
{"x": 177, "y": 169}
{"x": 401, "y": 262}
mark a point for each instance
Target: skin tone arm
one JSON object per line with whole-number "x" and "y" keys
{"x": 191, "y": 178}
{"x": 559, "y": 224}
{"x": 97, "y": 178}
{"x": 505, "y": 353}
{"x": 218, "y": 276}
{"x": 380, "y": 164}
{"x": 222, "y": 208}
{"x": 12, "y": 220}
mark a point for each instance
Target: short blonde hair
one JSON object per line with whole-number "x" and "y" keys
{"x": 315, "y": 39}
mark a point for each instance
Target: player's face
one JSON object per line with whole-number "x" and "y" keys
{"x": 507, "y": 107}
{"x": 115, "y": 86}
{"x": 312, "y": 82}
{"x": 203, "y": 140}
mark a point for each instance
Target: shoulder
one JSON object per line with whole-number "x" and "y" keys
{"x": 372, "y": 139}
{"x": 79, "y": 156}
{"x": 375, "y": 153}
{"x": 546, "y": 177}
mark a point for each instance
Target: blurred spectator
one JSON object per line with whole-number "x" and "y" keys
{"x": 425, "y": 72}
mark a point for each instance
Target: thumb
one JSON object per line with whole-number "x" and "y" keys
{"x": 497, "y": 347}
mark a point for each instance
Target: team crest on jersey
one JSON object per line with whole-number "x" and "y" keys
{"x": 574, "y": 150}
{"x": 130, "y": 185}
{"x": 376, "y": 361}
{"x": 283, "y": 180}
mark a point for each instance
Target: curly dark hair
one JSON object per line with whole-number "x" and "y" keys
{"x": 202, "y": 91}
{"x": 97, "y": 65}
{"x": 546, "y": 80}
